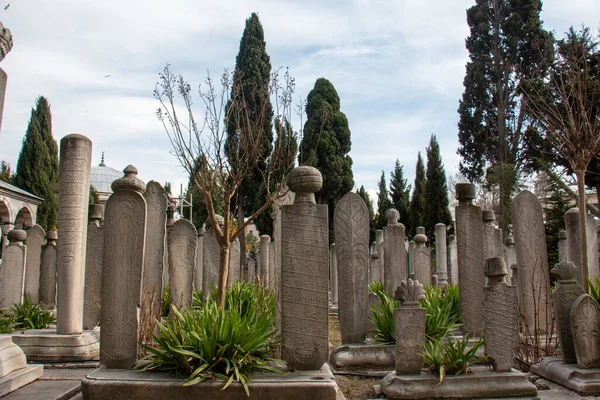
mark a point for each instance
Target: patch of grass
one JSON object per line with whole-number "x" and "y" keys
{"x": 31, "y": 316}
{"x": 453, "y": 358}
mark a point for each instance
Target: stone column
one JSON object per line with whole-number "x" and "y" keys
{"x": 333, "y": 273}
{"x": 441, "y": 260}
{"x": 394, "y": 252}
{"x": 374, "y": 266}
{"x": 501, "y": 316}
{"x": 48, "y": 271}
{"x": 567, "y": 291}
{"x": 94, "y": 262}
{"x": 265, "y": 273}
{"x": 411, "y": 257}
{"x": 574, "y": 243}
{"x": 410, "y": 322}
{"x": 304, "y": 274}
{"x": 13, "y": 269}
{"x": 563, "y": 251}
{"x": 532, "y": 258}
{"x": 251, "y": 269}
{"x": 351, "y": 227}
{"x": 36, "y": 238}
{"x": 125, "y": 225}
{"x": 377, "y": 264}
{"x": 469, "y": 234}
{"x": 182, "y": 238}
{"x": 199, "y": 258}
{"x": 510, "y": 253}
{"x": 73, "y": 197}
{"x": 453, "y": 260}
{"x": 422, "y": 258}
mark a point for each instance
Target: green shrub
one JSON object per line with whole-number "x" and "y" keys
{"x": 377, "y": 288}
{"x": 594, "y": 287}
{"x": 166, "y": 302}
{"x": 31, "y": 316}
{"x": 7, "y": 323}
{"x": 227, "y": 343}
{"x": 382, "y": 317}
{"x": 453, "y": 357}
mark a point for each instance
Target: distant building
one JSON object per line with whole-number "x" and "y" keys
{"x": 101, "y": 178}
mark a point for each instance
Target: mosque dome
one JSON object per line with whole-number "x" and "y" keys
{"x": 102, "y": 177}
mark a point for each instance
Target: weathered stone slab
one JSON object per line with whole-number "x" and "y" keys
{"x": 410, "y": 322}
{"x": 394, "y": 264}
{"x": 492, "y": 236}
{"x": 94, "y": 262}
{"x": 351, "y": 227}
{"x": 377, "y": 260}
{"x": 585, "y": 320}
{"x": 469, "y": 234}
{"x": 333, "y": 276}
{"x": 441, "y": 257}
{"x": 73, "y": 198}
{"x": 452, "y": 249}
{"x": 563, "y": 250}
{"x": 422, "y": 257}
{"x": 574, "y": 243}
{"x": 532, "y": 259}
{"x": 19, "y": 378}
{"x": 13, "y": 269}
{"x": 304, "y": 274}
{"x": 210, "y": 266}
{"x": 510, "y": 253}
{"x": 36, "y": 238}
{"x": 585, "y": 382}
{"x": 11, "y": 356}
{"x": 198, "y": 273}
{"x": 125, "y": 224}
{"x": 182, "y": 238}
{"x": 266, "y": 273}
{"x": 48, "y": 271}
{"x": 45, "y": 345}
{"x": 235, "y": 270}
{"x": 381, "y": 357}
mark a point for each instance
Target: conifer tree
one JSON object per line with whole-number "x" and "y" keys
{"x": 436, "y": 189}
{"x": 6, "y": 174}
{"x": 365, "y": 196}
{"x": 400, "y": 194}
{"x": 383, "y": 203}
{"x": 37, "y": 167}
{"x": 417, "y": 202}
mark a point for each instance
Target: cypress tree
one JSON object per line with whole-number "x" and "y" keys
{"x": 365, "y": 196}
{"x": 436, "y": 189}
{"x": 37, "y": 167}
{"x": 417, "y": 202}
{"x": 6, "y": 174}
{"x": 383, "y": 203}
{"x": 400, "y": 194}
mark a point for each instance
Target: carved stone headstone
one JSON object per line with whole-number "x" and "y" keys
{"x": 73, "y": 197}
{"x": 422, "y": 258}
{"x": 48, "y": 271}
{"x": 377, "y": 262}
{"x": 453, "y": 250}
{"x": 304, "y": 274}
{"x": 532, "y": 258}
{"x": 510, "y": 253}
{"x": 210, "y": 266}
{"x": 501, "y": 316}
{"x": 125, "y": 225}
{"x": 563, "y": 251}
{"x": 199, "y": 258}
{"x": 251, "y": 270}
{"x": 441, "y": 259}
{"x": 182, "y": 238}
{"x": 154, "y": 249}
{"x": 410, "y": 322}
{"x": 351, "y": 227}
{"x": 394, "y": 253}
{"x": 492, "y": 236}
{"x": 585, "y": 320}
{"x": 36, "y": 238}
{"x": 411, "y": 257}
{"x": 469, "y": 234}
{"x": 13, "y": 269}
{"x": 235, "y": 270}
{"x": 574, "y": 243}
{"x": 265, "y": 273}
{"x": 514, "y": 278}
{"x": 333, "y": 275}
{"x": 566, "y": 292}
{"x": 94, "y": 262}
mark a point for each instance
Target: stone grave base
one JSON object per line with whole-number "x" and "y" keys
{"x": 481, "y": 383}
{"x": 47, "y": 346}
{"x": 110, "y": 384}
{"x": 586, "y": 382}
{"x": 378, "y": 357}
{"x": 14, "y": 371}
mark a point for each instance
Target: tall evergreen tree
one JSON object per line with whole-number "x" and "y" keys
{"x": 365, "y": 196}
{"x": 417, "y": 201}
{"x": 6, "y": 174}
{"x": 507, "y": 46}
{"x": 400, "y": 194}
{"x": 383, "y": 203}
{"x": 326, "y": 143}
{"x": 436, "y": 189}
{"x": 37, "y": 167}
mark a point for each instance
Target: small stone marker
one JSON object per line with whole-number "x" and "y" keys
{"x": 563, "y": 251}
{"x": 182, "y": 238}
{"x": 510, "y": 253}
{"x": 410, "y": 328}
{"x": 210, "y": 266}
{"x": 501, "y": 316}
{"x": 469, "y": 234}
{"x": 514, "y": 278}
{"x": 374, "y": 271}
{"x": 125, "y": 224}
{"x": 199, "y": 258}
{"x": 251, "y": 269}
{"x": 422, "y": 258}
{"x": 333, "y": 275}
{"x": 452, "y": 249}
{"x": 379, "y": 267}
{"x": 304, "y": 274}
{"x": 94, "y": 262}
{"x": 441, "y": 259}
{"x": 351, "y": 227}
{"x": 492, "y": 236}
{"x": 585, "y": 320}
{"x": 411, "y": 257}
{"x": 394, "y": 264}
{"x": 13, "y": 269}
{"x": 566, "y": 292}
{"x": 48, "y": 271}
{"x": 36, "y": 238}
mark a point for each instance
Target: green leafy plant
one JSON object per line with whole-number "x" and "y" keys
{"x": 377, "y": 288}
{"x": 31, "y": 316}
{"x": 7, "y": 323}
{"x": 442, "y": 310}
{"x": 166, "y": 301}
{"x": 594, "y": 287}
{"x": 453, "y": 357}
{"x": 212, "y": 342}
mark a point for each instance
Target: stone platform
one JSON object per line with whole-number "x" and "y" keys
{"x": 107, "y": 384}
{"x": 380, "y": 357}
{"x": 585, "y": 382}
{"x": 45, "y": 345}
{"x": 481, "y": 383}
{"x": 14, "y": 371}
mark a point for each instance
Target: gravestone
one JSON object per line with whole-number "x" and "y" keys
{"x": 501, "y": 316}
{"x": 199, "y": 258}
{"x": 251, "y": 269}
{"x": 94, "y": 261}
{"x": 452, "y": 249}
{"x": 574, "y": 243}
{"x": 304, "y": 274}
{"x": 377, "y": 259}
{"x": 73, "y": 197}
{"x": 333, "y": 275}
{"x": 563, "y": 251}
{"x": 374, "y": 271}
{"x": 510, "y": 253}
{"x": 154, "y": 249}
{"x": 410, "y": 322}
{"x": 235, "y": 270}
{"x": 492, "y": 242}
{"x": 265, "y": 273}
{"x": 210, "y": 266}
{"x": 36, "y": 238}
{"x": 125, "y": 226}
{"x": 441, "y": 260}
{"x": 514, "y": 278}
{"x": 585, "y": 320}
{"x": 351, "y": 228}
{"x": 379, "y": 239}
{"x": 471, "y": 278}
{"x": 422, "y": 258}
{"x": 182, "y": 238}
{"x": 48, "y": 271}
{"x": 14, "y": 260}
{"x": 394, "y": 264}
{"x": 566, "y": 292}
{"x": 411, "y": 257}
{"x": 532, "y": 259}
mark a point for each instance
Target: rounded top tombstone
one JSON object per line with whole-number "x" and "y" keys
{"x": 305, "y": 181}
{"x": 17, "y": 235}
{"x": 129, "y": 181}
{"x": 465, "y": 191}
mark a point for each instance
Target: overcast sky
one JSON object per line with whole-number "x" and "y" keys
{"x": 398, "y": 67}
